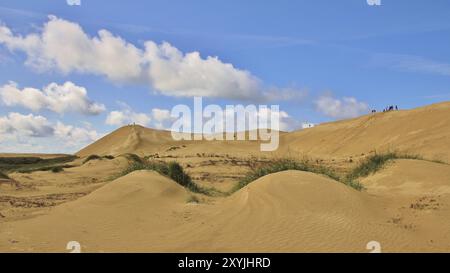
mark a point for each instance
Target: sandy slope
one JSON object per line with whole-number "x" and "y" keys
{"x": 295, "y": 211}
{"x": 92, "y": 172}
{"x": 113, "y": 217}
{"x": 417, "y": 196}
{"x": 145, "y": 141}
{"x": 424, "y": 131}
{"x": 410, "y": 178}
{"x": 34, "y": 193}
{"x": 129, "y": 139}
{"x": 288, "y": 211}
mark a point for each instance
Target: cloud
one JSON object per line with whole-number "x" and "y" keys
{"x": 347, "y": 107}
{"x": 161, "y": 118}
{"x": 286, "y": 122}
{"x": 73, "y": 2}
{"x": 74, "y": 135}
{"x": 27, "y": 125}
{"x": 127, "y": 116}
{"x": 36, "y": 133}
{"x": 57, "y": 98}
{"x": 157, "y": 118}
{"x": 65, "y": 47}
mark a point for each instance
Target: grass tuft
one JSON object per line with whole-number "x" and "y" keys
{"x": 173, "y": 170}
{"x": 92, "y": 157}
{"x": 134, "y": 158}
{"x": 280, "y": 165}
{"x": 376, "y": 162}
{"x": 97, "y": 157}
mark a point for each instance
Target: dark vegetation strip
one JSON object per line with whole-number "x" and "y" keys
{"x": 97, "y": 157}
{"x": 32, "y": 164}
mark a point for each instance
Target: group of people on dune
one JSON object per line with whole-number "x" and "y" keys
{"x": 388, "y": 108}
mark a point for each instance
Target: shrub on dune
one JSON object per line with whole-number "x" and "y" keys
{"x": 91, "y": 157}
{"x": 97, "y": 157}
{"x": 173, "y": 170}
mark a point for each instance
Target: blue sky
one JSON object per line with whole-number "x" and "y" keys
{"x": 328, "y": 59}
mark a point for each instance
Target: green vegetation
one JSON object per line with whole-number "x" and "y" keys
{"x": 370, "y": 165}
{"x": 172, "y": 170}
{"x": 279, "y": 165}
{"x": 376, "y": 162}
{"x": 51, "y": 168}
{"x": 91, "y": 157}
{"x": 97, "y": 157}
{"x": 133, "y": 158}
{"x": 33, "y": 164}
{"x": 19, "y": 160}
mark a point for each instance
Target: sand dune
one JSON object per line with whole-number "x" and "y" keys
{"x": 92, "y": 173}
{"x": 129, "y": 139}
{"x": 111, "y": 218}
{"x": 294, "y": 211}
{"x": 424, "y": 131}
{"x": 410, "y": 178}
{"x": 417, "y": 196}
{"x": 287, "y": 211}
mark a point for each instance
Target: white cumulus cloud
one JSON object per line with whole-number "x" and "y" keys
{"x": 73, "y": 2}
{"x": 347, "y": 107}
{"x": 19, "y": 132}
{"x": 65, "y": 47}
{"x": 57, "y": 98}
{"x": 127, "y": 116}
{"x": 26, "y": 125}
{"x": 75, "y": 135}
{"x": 161, "y": 118}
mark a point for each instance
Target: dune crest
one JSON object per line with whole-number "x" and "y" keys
{"x": 129, "y": 139}
{"x": 424, "y": 131}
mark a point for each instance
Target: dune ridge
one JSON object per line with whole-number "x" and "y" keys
{"x": 424, "y": 131}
